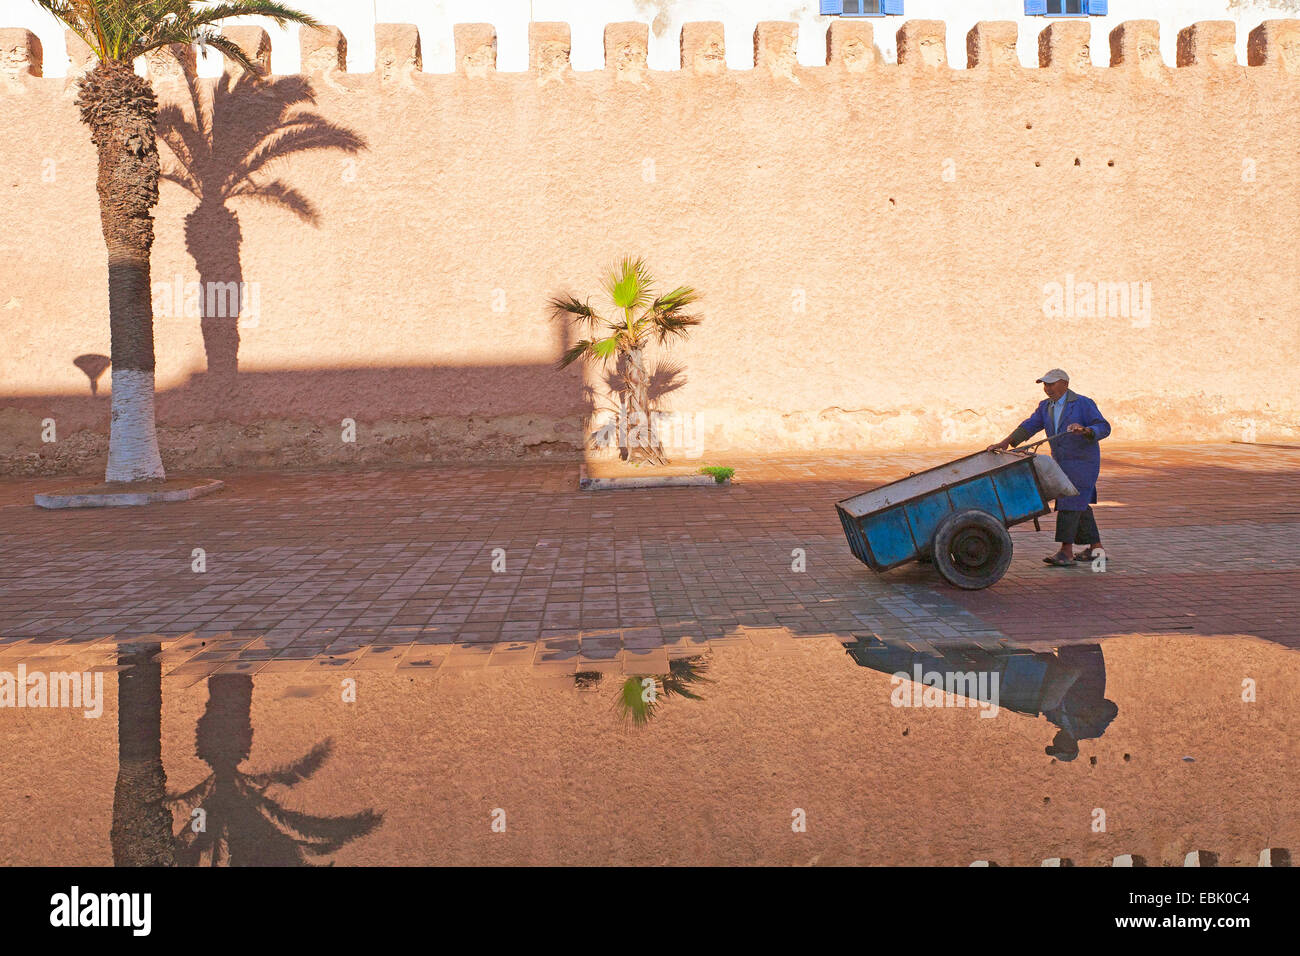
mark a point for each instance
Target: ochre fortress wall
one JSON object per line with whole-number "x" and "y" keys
{"x": 876, "y": 244}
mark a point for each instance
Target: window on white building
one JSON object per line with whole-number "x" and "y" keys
{"x": 1065, "y": 8}
{"x": 862, "y": 8}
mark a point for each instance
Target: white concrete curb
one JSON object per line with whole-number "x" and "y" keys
{"x": 587, "y": 483}
{"x": 128, "y": 499}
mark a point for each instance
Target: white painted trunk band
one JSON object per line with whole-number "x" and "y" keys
{"x": 133, "y": 443}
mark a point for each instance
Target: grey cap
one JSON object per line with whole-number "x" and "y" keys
{"x": 1055, "y": 375}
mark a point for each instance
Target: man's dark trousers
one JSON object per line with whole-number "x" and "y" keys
{"x": 1077, "y": 527}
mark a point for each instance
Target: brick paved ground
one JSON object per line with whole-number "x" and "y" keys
{"x": 395, "y": 568}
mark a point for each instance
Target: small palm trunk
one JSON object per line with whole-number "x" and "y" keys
{"x": 642, "y": 443}
{"x": 120, "y": 109}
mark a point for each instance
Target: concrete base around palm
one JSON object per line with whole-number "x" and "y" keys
{"x": 116, "y": 494}
{"x": 615, "y": 475}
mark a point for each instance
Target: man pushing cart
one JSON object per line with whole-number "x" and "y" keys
{"x": 1073, "y": 426}
{"x": 957, "y": 515}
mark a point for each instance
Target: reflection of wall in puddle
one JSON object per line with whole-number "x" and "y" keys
{"x": 777, "y": 730}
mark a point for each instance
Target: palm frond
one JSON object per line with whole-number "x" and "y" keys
{"x": 73, "y": 15}
{"x": 668, "y": 324}
{"x": 668, "y": 313}
{"x": 633, "y": 705}
{"x": 226, "y": 47}
{"x": 578, "y": 350}
{"x": 65, "y": 11}
{"x": 186, "y": 21}
{"x": 684, "y": 672}
{"x": 111, "y": 24}
{"x": 125, "y": 29}
{"x": 676, "y": 300}
{"x": 281, "y": 14}
{"x": 629, "y": 283}
{"x": 590, "y": 349}
{"x": 605, "y": 349}
{"x": 569, "y": 308}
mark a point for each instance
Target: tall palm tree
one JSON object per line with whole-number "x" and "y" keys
{"x": 121, "y": 111}
{"x": 225, "y": 149}
{"x": 640, "y": 316}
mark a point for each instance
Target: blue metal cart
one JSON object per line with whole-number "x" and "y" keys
{"x": 955, "y": 515}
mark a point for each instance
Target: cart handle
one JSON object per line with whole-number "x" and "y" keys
{"x": 1024, "y": 449}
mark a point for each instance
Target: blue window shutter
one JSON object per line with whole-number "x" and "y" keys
{"x": 1096, "y": 8}
{"x": 832, "y": 7}
{"x": 1035, "y": 8}
{"x": 893, "y": 8}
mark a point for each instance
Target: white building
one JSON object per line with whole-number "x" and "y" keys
{"x": 587, "y": 19}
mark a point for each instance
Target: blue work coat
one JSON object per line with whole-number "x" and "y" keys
{"x": 1078, "y": 455}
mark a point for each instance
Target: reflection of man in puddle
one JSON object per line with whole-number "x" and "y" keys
{"x": 1074, "y": 698}
{"x": 1067, "y": 687}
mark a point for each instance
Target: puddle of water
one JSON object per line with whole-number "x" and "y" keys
{"x": 793, "y": 752}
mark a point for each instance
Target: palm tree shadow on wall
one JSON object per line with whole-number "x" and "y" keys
{"x": 242, "y": 824}
{"x": 226, "y": 147}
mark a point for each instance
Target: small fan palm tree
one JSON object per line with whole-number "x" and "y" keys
{"x": 121, "y": 111}
{"x": 639, "y": 317}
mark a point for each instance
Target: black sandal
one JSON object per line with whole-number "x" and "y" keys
{"x": 1057, "y": 561}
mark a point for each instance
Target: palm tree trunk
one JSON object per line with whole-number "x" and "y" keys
{"x": 641, "y": 443}
{"x": 120, "y": 109}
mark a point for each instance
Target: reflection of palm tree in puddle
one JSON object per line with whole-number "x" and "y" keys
{"x": 637, "y": 699}
{"x": 141, "y": 833}
{"x": 242, "y": 825}
{"x": 1068, "y": 686}
{"x": 224, "y": 148}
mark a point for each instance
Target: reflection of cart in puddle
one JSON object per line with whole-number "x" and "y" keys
{"x": 1067, "y": 685}
{"x": 956, "y": 515}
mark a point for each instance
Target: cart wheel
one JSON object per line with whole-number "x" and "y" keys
{"x": 971, "y": 549}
